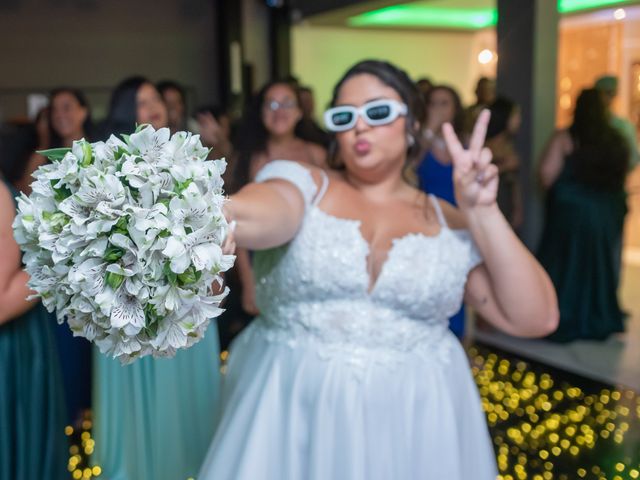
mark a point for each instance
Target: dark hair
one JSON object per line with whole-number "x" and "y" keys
{"x": 216, "y": 110}
{"x": 397, "y": 79}
{"x": 171, "y": 85}
{"x": 458, "y": 114}
{"x": 253, "y": 135}
{"x": 123, "y": 114}
{"x": 17, "y": 143}
{"x": 600, "y": 157}
{"x": 87, "y": 126}
{"x": 501, "y": 111}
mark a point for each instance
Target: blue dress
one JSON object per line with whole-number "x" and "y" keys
{"x": 437, "y": 179}
{"x": 32, "y": 440}
{"x": 154, "y": 418}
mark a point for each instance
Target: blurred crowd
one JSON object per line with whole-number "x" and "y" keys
{"x": 581, "y": 176}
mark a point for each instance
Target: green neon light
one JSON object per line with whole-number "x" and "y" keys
{"x": 411, "y": 15}
{"x": 418, "y": 16}
{"x": 570, "y": 6}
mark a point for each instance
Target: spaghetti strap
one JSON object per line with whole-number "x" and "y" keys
{"x": 438, "y": 208}
{"x": 323, "y": 188}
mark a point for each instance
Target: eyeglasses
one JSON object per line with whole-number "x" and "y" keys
{"x": 274, "y": 105}
{"x": 377, "y": 112}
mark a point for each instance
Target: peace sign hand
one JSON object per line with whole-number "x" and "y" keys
{"x": 474, "y": 176}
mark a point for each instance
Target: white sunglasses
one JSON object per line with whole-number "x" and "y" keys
{"x": 376, "y": 112}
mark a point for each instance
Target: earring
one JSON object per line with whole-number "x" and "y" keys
{"x": 410, "y": 140}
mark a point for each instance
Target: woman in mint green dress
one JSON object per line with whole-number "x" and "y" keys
{"x": 32, "y": 440}
{"x": 154, "y": 418}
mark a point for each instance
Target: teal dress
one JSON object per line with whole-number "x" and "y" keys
{"x": 154, "y": 418}
{"x": 579, "y": 250}
{"x": 32, "y": 440}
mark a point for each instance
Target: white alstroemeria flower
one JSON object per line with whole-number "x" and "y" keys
{"x": 150, "y": 144}
{"x": 102, "y": 225}
{"x": 127, "y": 311}
{"x": 170, "y": 336}
{"x": 178, "y": 255}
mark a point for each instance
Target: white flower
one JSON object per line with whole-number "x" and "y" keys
{"x": 122, "y": 239}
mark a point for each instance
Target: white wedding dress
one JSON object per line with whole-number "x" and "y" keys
{"x": 336, "y": 382}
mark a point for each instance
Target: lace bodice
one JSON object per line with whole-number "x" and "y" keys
{"x": 316, "y": 288}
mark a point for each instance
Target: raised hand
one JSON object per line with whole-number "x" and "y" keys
{"x": 474, "y": 176}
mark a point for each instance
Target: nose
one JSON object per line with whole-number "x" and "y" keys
{"x": 361, "y": 125}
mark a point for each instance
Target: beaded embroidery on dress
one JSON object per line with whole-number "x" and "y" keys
{"x": 331, "y": 361}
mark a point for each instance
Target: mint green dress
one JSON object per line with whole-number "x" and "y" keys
{"x": 154, "y": 419}
{"x": 32, "y": 413}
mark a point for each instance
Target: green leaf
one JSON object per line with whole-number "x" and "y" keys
{"x": 121, "y": 226}
{"x": 55, "y": 154}
{"x": 113, "y": 253}
{"x": 141, "y": 127}
{"x": 87, "y": 154}
{"x": 119, "y": 154}
{"x": 114, "y": 280}
{"x": 171, "y": 276}
{"x": 182, "y": 186}
{"x": 188, "y": 277}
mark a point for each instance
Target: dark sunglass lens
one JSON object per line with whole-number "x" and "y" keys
{"x": 342, "y": 118}
{"x": 379, "y": 112}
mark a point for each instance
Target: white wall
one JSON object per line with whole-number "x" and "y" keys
{"x": 320, "y": 55}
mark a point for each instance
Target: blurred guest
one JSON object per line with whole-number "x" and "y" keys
{"x": 583, "y": 171}
{"x": 435, "y": 171}
{"x": 608, "y": 87}
{"x": 308, "y": 128}
{"x": 268, "y": 132}
{"x": 503, "y": 126}
{"x": 155, "y": 417}
{"x": 134, "y": 101}
{"x": 424, "y": 86}
{"x": 69, "y": 117}
{"x": 175, "y": 97}
{"x": 43, "y": 141}
{"x": 32, "y": 441}
{"x": 18, "y": 145}
{"x": 485, "y": 95}
{"x": 214, "y": 127}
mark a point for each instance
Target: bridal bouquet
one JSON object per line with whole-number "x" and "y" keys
{"x": 123, "y": 239}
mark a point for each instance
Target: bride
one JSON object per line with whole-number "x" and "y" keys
{"x": 350, "y": 372}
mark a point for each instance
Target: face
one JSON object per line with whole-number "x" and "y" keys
{"x": 67, "y": 115}
{"x": 150, "y": 108}
{"x": 440, "y": 109}
{"x": 371, "y": 152}
{"x": 175, "y": 106}
{"x": 486, "y": 92}
{"x": 280, "y": 110}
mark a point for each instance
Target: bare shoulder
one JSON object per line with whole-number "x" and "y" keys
{"x": 453, "y": 216}
{"x": 7, "y": 209}
{"x": 318, "y": 154}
